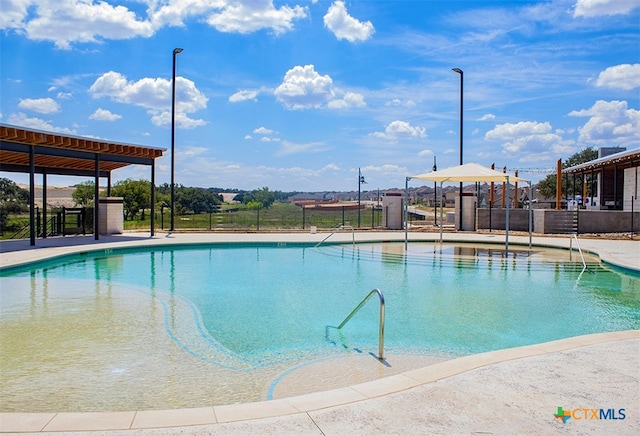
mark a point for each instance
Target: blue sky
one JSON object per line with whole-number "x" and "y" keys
{"x": 297, "y": 95}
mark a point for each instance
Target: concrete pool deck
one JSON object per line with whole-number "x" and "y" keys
{"x": 512, "y": 391}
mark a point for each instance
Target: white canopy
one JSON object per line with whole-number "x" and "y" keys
{"x": 470, "y": 172}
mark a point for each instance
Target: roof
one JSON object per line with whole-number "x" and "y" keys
{"x": 626, "y": 158}
{"x": 470, "y": 172}
{"x": 59, "y": 154}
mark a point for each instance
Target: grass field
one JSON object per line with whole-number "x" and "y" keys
{"x": 280, "y": 216}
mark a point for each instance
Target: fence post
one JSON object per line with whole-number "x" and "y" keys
{"x": 258, "y": 218}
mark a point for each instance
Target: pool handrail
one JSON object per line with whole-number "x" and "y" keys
{"x": 575, "y": 236}
{"x": 381, "y": 324}
{"x": 340, "y": 227}
{"x": 584, "y": 264}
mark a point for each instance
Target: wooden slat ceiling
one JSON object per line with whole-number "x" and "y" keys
{"x": 57, "y": 153}
{"x": 56, "y": 162}
{"x": 625, "y": 159}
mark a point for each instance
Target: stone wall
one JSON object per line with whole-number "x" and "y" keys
{"x": 550, "y": 221}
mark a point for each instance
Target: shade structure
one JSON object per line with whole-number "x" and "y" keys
{"x": 470, "y": 172}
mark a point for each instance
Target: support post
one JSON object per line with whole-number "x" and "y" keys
{"x": 152, "y": 232}
{"x": 96, "y": 198}
{"x": 44, "y": 202}
{"x": 559, "y": 184}
{"x": 32, "y": 196}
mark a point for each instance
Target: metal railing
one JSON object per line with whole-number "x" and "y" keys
{"x": 335, "y": 229}
{"x": 574, "y": 236}
{"x": 584, "y": 264}
{"x": 381, "y": 325}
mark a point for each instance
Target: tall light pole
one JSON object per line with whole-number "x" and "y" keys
{"x": 360, "y": 182}
{"x": 176, "y": 51}
{"x": 459, "y": 71}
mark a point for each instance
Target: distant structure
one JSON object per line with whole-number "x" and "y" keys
{"x": 610, "y": 182}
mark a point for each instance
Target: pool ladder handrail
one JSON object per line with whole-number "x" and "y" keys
{"x": 335, "y": 229}
{"x": 575, "y": 236}
{"x": 381, "y": 325}
{"x": 584, "y": 264}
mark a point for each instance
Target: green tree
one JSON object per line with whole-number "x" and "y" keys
{"x": 547, "y": 186}
{"x": 262, "y": 196}
{"x": 83, "y": 194}
{"x": 136, "y": 196}
{"x": 254, "y": 205}
{"x": 13, "y": 200}
{"x": 198, "y": 200}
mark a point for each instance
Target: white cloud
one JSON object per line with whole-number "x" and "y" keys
{"x": 330, "y": 167}
{"x": 304, "y": 88}
{"x": 14, "y": 13}
{"x": 624, "y": 76}
{"x": 386, "y": 169}
{"x": 289, "y": 148}
{"x": 344, "y": 26}
{"x": 40, "y": 105}
{"x": 64, "y": 95}
{"x": 88, "y": 21}
{"x": 523, "y": 128}
{"x": 153, "y": 95}
{"x": 67, "y": 21}
{"x": 249, "y": 16}
{"x": 350, "y": 99}
{"x": 529, "y": 140}
{"x": 269, "y": 139}
{"x": 487, "y": 117}
{"x": 594, "y": 8}
{"x": 398, "y": 102}
{"x": 263, "y": 131}
{"x": 266, "y": 134}
{"x": 104, "y": 115}
{"x": 20, "y": 119}
{"x": 424, "y": 153}
{"x": 397, "y": 130}
{"x": 610, "y": 122}
{"x": 244, "y": 95}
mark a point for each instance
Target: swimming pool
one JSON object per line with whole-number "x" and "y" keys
{"x": 174, "y": 327}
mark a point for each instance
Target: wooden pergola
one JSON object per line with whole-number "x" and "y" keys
{"x": 611, "y": 168}
{"x": 36, "y": 152}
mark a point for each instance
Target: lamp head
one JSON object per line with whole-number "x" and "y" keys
{"x": 177, "y": 50}
{"x": 457, "y": 70}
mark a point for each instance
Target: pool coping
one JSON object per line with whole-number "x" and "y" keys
{"x": 610, "y": 251}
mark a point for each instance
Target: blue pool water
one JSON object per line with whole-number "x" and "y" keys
{"x": 254, "y": 311}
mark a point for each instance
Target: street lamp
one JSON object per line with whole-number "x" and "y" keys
{"x": 459, "y": 71}
{"x": 360, "y": 182}
{"x": 176, "y": 51}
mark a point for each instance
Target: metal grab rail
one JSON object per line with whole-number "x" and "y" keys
{"x": 381, "y": 327}
{"x": 574, "y": 236}
{"x": 340, "y": 227}
{"x": 584, "y": 264}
